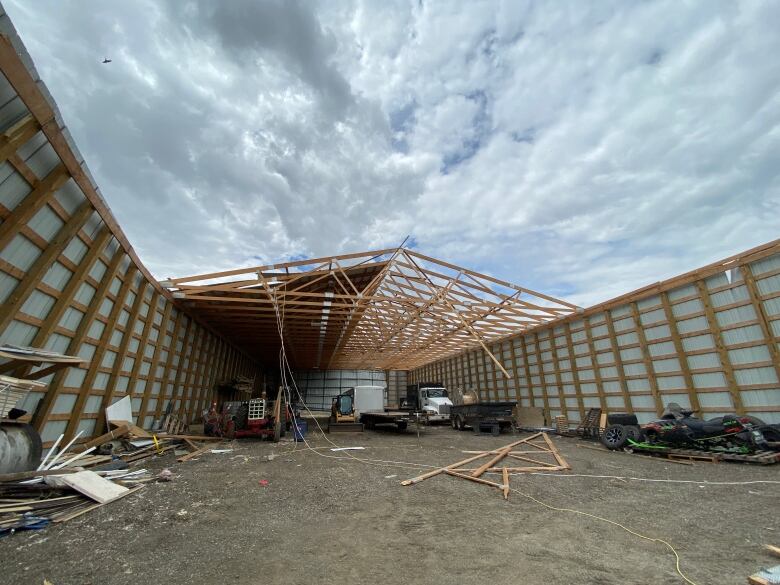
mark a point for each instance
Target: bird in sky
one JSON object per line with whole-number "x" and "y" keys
{"x": 106, "y": 60}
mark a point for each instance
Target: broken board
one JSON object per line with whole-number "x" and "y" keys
{"x": 90, "y": 484}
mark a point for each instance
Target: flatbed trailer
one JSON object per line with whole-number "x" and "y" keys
{"x": 399, "y": 418}
{"x": 492, "y": 417}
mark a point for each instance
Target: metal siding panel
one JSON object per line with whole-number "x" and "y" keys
{"x": 769, "y": 285}
{"x": 7, "y": 285}
{"x": 760, "y": 397}
{"x": 663, "y": 348}
{"x": 75, "y": 250}
{"x": 64, "y": 404}
{"x": 703, "y": 361}
{"x": 652, "y": 316}
{"x": 18, "y": 333}
{"x": 735, "y": 315}
{"x": 43, "y": 160}
{"x": 70, "y": 196}
{"x": 671, "y": 383}
{"x": 683, "y": 291}
{"x": 765, "y": 265}
{"x": 748, "y": 355}
{"x": 729, "y": 296}
{"x": 772, "y": 306}
{"x": 705, "y": 341}
{"x": 648, "y": 302}
{"x": 20, "y": 252}
{"x": 756, "y": 376}
{"x": 691, "y": 325}
{"x": 709, "y": 380}
{"x": 57, "y": 276}
{"x": 13, "y": 190}
{"x": 715, "y": 399}
{"x": 742, "y": 335}
{"x": 666, "y": 365}
{"x": 687, "y": 307}
{"x": 659, "y": 332}
{"x": 38, "y": 305}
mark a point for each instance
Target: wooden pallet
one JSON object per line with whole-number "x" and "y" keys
{"x": 590, "y": 425}
{"x": 760, "y": 457}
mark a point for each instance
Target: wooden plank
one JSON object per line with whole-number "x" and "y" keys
{"x": 17, "y": 136}
{"x": 86, "y": 509}
{"x": 152, "y": 378}
{"x": 690, "y": 388}
{"x": 90, "y": 484}
{"x": 140, "y": 354}
{"x": 117, "y": 433}
{"x": 775, "y": 550}
{"x": 172, "y": 351}
{"x": 573, "y": 369}
{"x": 764, "y": 320}
{"x": 194, "y": 454}
{"x": 506, "y": 483}
{"x": 131, "y": 428}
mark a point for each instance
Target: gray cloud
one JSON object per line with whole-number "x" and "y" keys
{"x": 578, "y": 149}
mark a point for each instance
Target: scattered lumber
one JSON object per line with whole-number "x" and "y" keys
{"x": 90, "y": 484}
{"x": 775, "y": 550}
{"x": 117, "y": 433}
{"x": 539, "y": 445}
{"x": 134, "y": 430}
{"x": 194, "y": 454}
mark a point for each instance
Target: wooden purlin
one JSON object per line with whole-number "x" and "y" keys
{"x": 377, "y": 309}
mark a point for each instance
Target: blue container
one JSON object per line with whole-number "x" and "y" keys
{"x": 300, "y": 427}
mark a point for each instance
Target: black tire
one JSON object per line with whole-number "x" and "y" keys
{"x": 622, "y": 419}
{"x": 634, "y": 432}
{"x": 401, "y": 425}
{"x": 614, "y": 437}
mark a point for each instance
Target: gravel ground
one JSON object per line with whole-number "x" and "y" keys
{"x": 325, "y": 520}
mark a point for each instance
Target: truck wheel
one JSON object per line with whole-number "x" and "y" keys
{"x": 401, "y": 425}
{"x": 614, "y": 437}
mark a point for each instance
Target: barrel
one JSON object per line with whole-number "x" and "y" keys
{"x": 300, "y": 427}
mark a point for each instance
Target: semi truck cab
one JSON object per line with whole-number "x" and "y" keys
{"x": 430, "y": 398}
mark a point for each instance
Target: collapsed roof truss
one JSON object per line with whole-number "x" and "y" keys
{"x": 388, "y": 309}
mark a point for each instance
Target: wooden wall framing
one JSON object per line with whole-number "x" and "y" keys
{"x": 70, "y": 281}
{"x": 708, "y": 339}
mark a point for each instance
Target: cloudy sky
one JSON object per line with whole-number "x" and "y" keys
{"x": 583, "y": 149}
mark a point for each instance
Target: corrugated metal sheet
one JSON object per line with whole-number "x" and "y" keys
{"x": 86, "y": 351}
{"x": 586, "y": 374}
{"x": 75, "y": 250}
{"x": 589, "y": 388}
{"x": 703, "y": 361}
{"x": 20, "y": 252}
{"x": 581, "y": 348}
{"x": 717, "y": 280}
{"x": 752, "y": 398}
{"x": 620, "y": 311}
{"x": 38, "y": 305}
{"x": 590, "y": 402}
{"x": 116, "y": 284}
{"x": 18, "y": 333}
{"x": 772, "y": 306}
{"x": 108, "y": 359}
{"x": 632, "y": 353}
{"x": 652, "y": 316}
{"x": 57, "y": 276}
{"x": 698, "y": 342}
{"x": 122, "y": 383}
{"x": 46, "y": 223}
{"x": 627, "y": 339}
{"x": 32, "y": 146}
{"x": 101, "y": 381}
{"x": 735, "y": 315}
{"x": 742, "y": 335}
{"x": 765, "y": 264}
{"x": 715, "y": 400}
{"x": 756, "y": 376}
{"x": 88, "y": 426}
{"x": 608, "y": 371}
{"x": 53, "y": 429}
{"x": 663, "y": 348}
{"x": 599, "y": 331}
{"x": 683, "y": 291}
{"x": 597, "y": 319}
{"x": 98, "y": 270}
{"x": 75, "y": 377}
{"x": 57, "y": 342}
{"x": 615, "y": 402}
{"x": 623, "y": 324}
{"x": 7, "y": 285}
{"x": 96, "y": 329}
{"x": 13, "y": 190}
{"x": 709, "y": 380}
{"x": 11, "y": 112}
{"x": 577, "y": 336}
{"x": 648, "y": 302}
{"x": 605, "y": 358}
{"x": 642, "y": 401}
{"x": 768, "y": 285}
{"x": 671, "y": 383}
{"x": 43, "y": 161}
{"x": 749, "y": 355}
{"x": 730, "y": 296}
{"x": 659, "y": 332}
{"x": 584, "y": 361}
{"x": 687, "y": 307}
{"x": 71, "y": 318}
{"x": 635, "y": 369}
{"x": 666, "y": 365}
{"x": 64, "y": 403}
{"x": 603, "y": 343}
{"x": 638, "y": 385}
{"x": 692, "y": 325}
{"x": 70, "y": 196}
{"x": 775, "y": 325}
{"x": 105, "y": 307}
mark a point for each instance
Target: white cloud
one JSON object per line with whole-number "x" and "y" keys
{"x": 580, "y": 150}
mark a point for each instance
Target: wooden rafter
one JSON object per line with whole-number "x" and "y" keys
{"x": 379, "y": 309}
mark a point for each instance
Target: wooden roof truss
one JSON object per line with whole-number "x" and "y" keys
{"x": 384, "y": 309}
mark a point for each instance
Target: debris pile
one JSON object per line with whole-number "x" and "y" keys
{"x": 80, "y": 478}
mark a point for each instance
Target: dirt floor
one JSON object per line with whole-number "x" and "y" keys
{"x": 325, "y": 520}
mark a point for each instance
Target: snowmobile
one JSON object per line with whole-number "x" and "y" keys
{"x": 678, "y": 428}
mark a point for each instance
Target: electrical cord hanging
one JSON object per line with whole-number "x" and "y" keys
{"x": 285, "y": 368}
